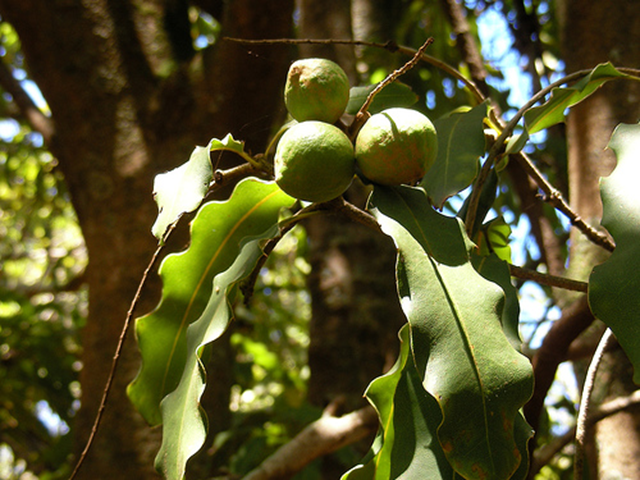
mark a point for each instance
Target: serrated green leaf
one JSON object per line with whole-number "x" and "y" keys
{"x": 463, "y": 357}
{"x": 496, "y": 270}
{"x": 181, "y": 190}
{"x": 184, "y": 423}
{"x": 229, "y": 144}
{"x": 406, "y": 446}
{"x": 460, "y": 145}
{"x": 216, "y": 233}
{"x": 396, "y": 94}
{"x": 614, "y": 286}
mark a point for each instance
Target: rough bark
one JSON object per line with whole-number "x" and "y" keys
{"x": 128, "y": 99}
{"x": 328, "y": 19}
{"x": 594, "y": 32}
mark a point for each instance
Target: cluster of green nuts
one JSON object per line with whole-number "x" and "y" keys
{"x": 316, "y": 161}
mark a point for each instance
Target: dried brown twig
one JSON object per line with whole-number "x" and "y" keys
{"x": 391, "y": 78}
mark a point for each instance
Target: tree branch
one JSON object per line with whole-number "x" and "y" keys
{"x": 543, "y": 455}
{"x": 471, "y": 56}
{"x": 553, "y": 351}
{"x": 541, "y": 227}
{"x": 549, "y": 280}
{"x": 38, "y": 121}
{"x": 466, "y": 44}
{"x": 585, "y": 402}
{"x": 324, "y": 436}
{"x": 554, "y": 197}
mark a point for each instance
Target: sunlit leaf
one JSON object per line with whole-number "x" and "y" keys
{"x": 229, "y": 144}
{"x": 182, "y": 189}
{"x": 462, "y": 354}
{"x": 552, "y": 111}
{"x": 216, "y": 234}
{"x": 614, "y": 285}
{"x": 461, "y": 143}
{"x": 494, "y": 238}
{"x": 184, "y": 423}
{"x": 396, "y": 94}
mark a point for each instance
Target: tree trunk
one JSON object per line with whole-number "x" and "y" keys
{"x": 130, "y": 98}
{"x": 595, "y": 32}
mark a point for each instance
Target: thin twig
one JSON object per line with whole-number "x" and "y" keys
{"x": 390, "y": 46}
{"x": 543, "y": 455}
{"x": 473, "y": 88}
{"x": 583, "y": 412}
{"x": 554, "y": 198}
{"x": 117, "y": 354}
{"x": 338, "y": 205}
{"x": 232, "y": 175}
{"x": 546, "y": 279}
{"x": 248, "y": 285}
{"x": 392, "y": 77}
{"x": 358, "y": 215}
{"x": 552, "y": 195}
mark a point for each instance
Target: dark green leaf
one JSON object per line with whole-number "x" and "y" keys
{"x": 406, "y": 446}
{"x": 614, "y": 285}
{"x": 485, "y": 202}
{"x": 462, "y": 355}
{"x": 496, "y": 270}
{"x": 460, "y": 145}
{"x": 216, "y": 234}
{"x": 396, "y": 94}
{"x": 181, "y": 190}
